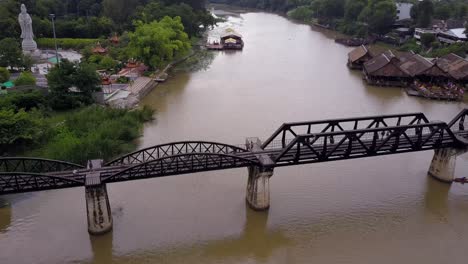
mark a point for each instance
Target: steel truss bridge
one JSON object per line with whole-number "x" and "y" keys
{"x": 291, "y": 144}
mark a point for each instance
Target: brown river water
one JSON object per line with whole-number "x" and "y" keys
{"x": 375, "y": 210}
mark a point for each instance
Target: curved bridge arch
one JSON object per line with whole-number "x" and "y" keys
{"x": 175, "y": 148}
{"x": 180, "y": 164}
{"x": 18, "y": 182}
{"x": 35, "y": 165}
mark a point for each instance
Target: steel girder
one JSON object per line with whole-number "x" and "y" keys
{"x": 176, "y": 148}
{"x": 180, "y": 164}
{"x": 361, "y": 143}
{"x": 35, "y": 165}
{"x": 18, "y": 182}
{"x": 287, "y": 132}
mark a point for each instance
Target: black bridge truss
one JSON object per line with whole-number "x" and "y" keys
{"x": 291, "y": 144}
{"x": 35, "y": 165}
{"x": 172, "y": 149}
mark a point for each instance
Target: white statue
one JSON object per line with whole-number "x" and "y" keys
{"x": 29, "y": 45}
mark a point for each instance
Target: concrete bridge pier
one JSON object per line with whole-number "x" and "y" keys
{"x": 258, "y": 184}
{"x": 97, "y": 201}
{"x": 443, "y": 164}
{"x": 258, "y": 188}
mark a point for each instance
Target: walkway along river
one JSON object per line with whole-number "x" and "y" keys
{"x": 374, "y": 210}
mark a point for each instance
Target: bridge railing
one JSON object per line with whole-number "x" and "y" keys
{"x": 288, "y": 131}
{"x": 365, "y": 142}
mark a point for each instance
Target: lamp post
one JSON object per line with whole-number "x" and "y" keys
{"x": 52, "y": 17}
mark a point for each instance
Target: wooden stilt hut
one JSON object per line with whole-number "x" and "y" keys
{"x": 384, "y": 70}
{"x": 422, "y": 69}
{"x": 358, "y": 56}
{"x": 455, "y": 66}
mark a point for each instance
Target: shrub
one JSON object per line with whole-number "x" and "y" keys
{"x": 96, "y": 132}
{"x": 107, "y": 63}
{"x": 303, "y": 13}
{"x": 435, "y": 45}
{"x": 427, "y": 39}
{"x": 66, "y": 43}
{"x": 411, "y": 45}
{"x": 23, "y": 100}
{"x": 4, "y": 75}
{"x": 19, "y": 128}
{"x": 457, "y": 48}
{"x": 25, "y": 78}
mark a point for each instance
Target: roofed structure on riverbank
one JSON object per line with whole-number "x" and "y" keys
{"x": 417, "y": 65}
{"x": 358, "y": 56}
{"x": 454, "y": 65}
{"x": 385, "y": 64}
{"x": 384, "y": 70}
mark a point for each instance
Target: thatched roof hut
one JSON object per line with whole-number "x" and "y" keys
{"x": 384, "y": 65}
{"x": 417, "y": 65}
{"x": 358, "y": 56}
{"x": 454, "y": 65}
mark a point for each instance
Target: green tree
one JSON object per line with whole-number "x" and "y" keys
{"x": 4, "y": 75}
{"x": 25, "y": 78}
{"x": 10, "y": 53}
{"x": 27, "y": 62}
{"x": 353, "y": 8}
{"x": 303, "y": 13}
{"x": 427, "y": 39}
{"x": 19, "y": 128}
{"x": 423, "y": 13}
{"x": 86, "y": 79}
{"x": 193, "y": 20}
{"x": 460, "y": 11}
{"x": 331, "y": 8}
{"x": 72, "y": 84}
{"x": 26, "y": 100}
{"x": 379, "y": 15}
{"x": 107, "y": 63}
{"x": 8, "y": 19}
{"x": 119, "y": 10}
{"x": 382, "y": 16}
{"x": 157, "y": 43}
{"x": 442, "y": 11}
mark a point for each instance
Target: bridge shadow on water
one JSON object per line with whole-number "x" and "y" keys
{"x": 5, "y": 215}
{"x": 436, "y": 197}
{"x": 255, "y": 242}
{"x": 102, "y": 247}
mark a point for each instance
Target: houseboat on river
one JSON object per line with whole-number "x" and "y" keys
{"x": 230, "y": 40}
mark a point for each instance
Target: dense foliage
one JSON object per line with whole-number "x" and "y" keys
{"x": 65, "y": 43}
{"x": 19, "y": 127}
{"x": 4, "y": 75}
{"x": 98, "y": 18}
{"x": 359, "y": 17}
{"x": 10, "y": 53}
{"x": 95, "y": 132}
{"x": 25, "y": 78}
{"x": 157, "y": 43}
{"x": 72, "y": 85}
{"x": 27, "y": 125}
